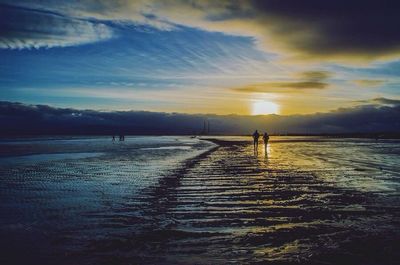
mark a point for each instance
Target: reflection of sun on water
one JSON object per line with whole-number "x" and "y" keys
{"x": 262, "y": 107}
{"x": 266, "y": 151}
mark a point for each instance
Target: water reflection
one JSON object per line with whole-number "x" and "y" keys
{"x": 267, "y": 150}
{"x": 297, "y": 201}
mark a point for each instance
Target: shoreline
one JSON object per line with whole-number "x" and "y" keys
{"x": 373, "y": 135}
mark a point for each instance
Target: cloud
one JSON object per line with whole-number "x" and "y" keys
{"x": 281, "y": 87}
{"x": 334, "y": 29}
{"x": 369, "y": 82}
{"x": 25, "y": 28}
{"x": 305, "y": 81}
{"x": 315, "y": 75}
{"x": 358, "y": 29}
{"x": 18, "y": 119}
{"x": 313, "y": 29}
{"x": 387, "y": 101}
{"x": 381, "y": 101}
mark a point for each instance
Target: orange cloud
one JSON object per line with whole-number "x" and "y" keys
{"x": 368, "y": 82}
{"x": 305, "y": 81}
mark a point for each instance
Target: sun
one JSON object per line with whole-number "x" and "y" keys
{"x": 262, "y": 107}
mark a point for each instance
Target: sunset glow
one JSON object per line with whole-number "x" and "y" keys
{"x": 200, "y": 132}
{"x": 263, "y": 107}
{"x": 200, "y": 57}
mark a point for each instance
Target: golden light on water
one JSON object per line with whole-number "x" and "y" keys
{"x": 263, "y": 107}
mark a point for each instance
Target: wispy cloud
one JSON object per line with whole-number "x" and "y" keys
{"x": 315, "y": 29}
{"x": 369, "y": 82}
{"x": 25, "y": 28}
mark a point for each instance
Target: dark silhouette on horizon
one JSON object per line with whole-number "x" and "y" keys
{"x": 24, "y": 119}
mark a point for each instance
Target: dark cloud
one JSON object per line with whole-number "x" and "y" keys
{"x": 303, "y": 80}
{"x": 333, "y": 28}
{"x": 381, "y": 101}
{"x": 386, "y": 101}
{"x": 282, "y": 87}
{"x": 21, "y": 119}
{"x": 315, "y": 75}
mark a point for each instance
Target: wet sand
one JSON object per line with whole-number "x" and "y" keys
{"x": 230, "y": 205}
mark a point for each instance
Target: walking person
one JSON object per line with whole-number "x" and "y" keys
{"x": 256, "y": 135}
{"x": 266, "y": 139}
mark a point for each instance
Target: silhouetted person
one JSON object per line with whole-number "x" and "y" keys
{"x": 266, "y": 139}
{"x": 113, "y": 139}
{"x": 256, "y": 135}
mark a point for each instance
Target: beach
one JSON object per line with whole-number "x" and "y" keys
{"x": 213, "y": 200}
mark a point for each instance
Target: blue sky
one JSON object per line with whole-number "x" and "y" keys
{"x": 143, "y": 55}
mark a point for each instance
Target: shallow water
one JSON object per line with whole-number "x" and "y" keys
{"x": 178, "y": 200}
{"x": 37, "y": 158}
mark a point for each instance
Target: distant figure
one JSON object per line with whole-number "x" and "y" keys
{"x": 256, "y": 135}
{"x": 266, "y": 139}
{"x": 113, "y": 139}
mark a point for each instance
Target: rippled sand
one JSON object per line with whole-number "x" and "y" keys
{"x": 307, "y": 201}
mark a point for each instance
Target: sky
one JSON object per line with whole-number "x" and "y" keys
{"x": 209, "y": 57}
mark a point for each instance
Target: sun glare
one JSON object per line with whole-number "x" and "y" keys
{"x": 262, "y": 107}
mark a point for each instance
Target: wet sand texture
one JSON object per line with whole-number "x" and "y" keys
{"x": 230, "y": 206}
